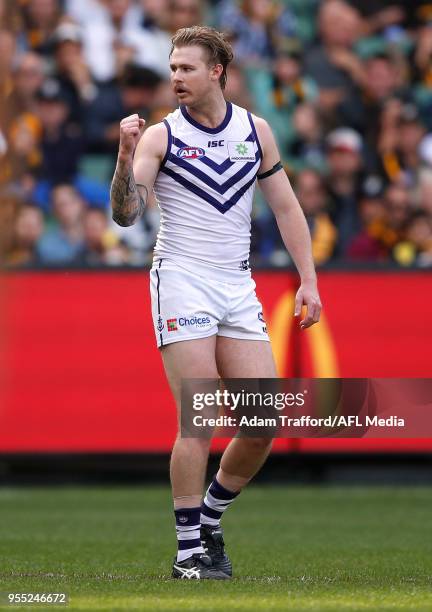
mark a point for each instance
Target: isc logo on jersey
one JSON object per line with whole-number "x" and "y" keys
{"x": 190, "y": 152}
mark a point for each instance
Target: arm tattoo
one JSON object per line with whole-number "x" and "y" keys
{"x": 128, "y": 199}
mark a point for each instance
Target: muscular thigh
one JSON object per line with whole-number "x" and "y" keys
{"x": 247, "y": 359}
{"x": 244, "y": 358}
{"x": 189, "y": 359}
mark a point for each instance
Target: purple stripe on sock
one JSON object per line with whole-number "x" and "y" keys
{"x": 186, "y": 544}
{"x": 218, "y": 491}
{"x": 210, "y": 512}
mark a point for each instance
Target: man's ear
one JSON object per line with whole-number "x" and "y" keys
{"x": 215, "y": 72}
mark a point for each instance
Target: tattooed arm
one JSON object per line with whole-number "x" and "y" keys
{"x": 137, "y": 167}
{"x": 128, "y": 199}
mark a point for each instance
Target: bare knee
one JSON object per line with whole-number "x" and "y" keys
{"x": 257, "y": 445}
{"x": 200, "y": 445}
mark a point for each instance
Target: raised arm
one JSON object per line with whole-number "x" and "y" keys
{"x": 139, "y": 158}
{"x": 291, "y": 221}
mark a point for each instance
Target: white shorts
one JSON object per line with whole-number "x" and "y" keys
{"x": 186, "y": 306}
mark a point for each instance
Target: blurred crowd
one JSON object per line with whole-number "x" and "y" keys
{"x": 346, "y": 86}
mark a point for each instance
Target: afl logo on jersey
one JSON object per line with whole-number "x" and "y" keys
{"x": 191, "y": 152}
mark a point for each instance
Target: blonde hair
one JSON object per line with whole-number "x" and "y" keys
{"x": 218, "y": 48}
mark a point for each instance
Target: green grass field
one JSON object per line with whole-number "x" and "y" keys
{"x": 293, "y": 548}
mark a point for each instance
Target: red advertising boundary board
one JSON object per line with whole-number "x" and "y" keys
{"x": 80, "y": 371}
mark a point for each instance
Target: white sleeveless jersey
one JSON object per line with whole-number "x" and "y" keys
{"x": 204, "y": 189}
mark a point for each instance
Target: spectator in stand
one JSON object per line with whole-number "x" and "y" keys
{"x": 45, "y": 149}
{"x": 308, "y": 146}
{"x": 385, "y": 227}
{"x": 19, "y": 124}
{"x": 72, "y": 72}
{"x": 399, "y": 210}
{"x": 104, "y": 36}
{"x": 345, "y": 167}
{"x": 416, "y": 249}
{"x": 333, "y": 64}
{"x": 7, "y": 54}
{"x": 64, "y": 241}
{"x": 82, "y": 11}
{"x": 10, "y": 204}
{"x": 290, "y": 86}
{"x": 385, "y": 15}
{"x": 250, "y": 26}
{"x": 411, "y": 132}
{"x": 424, "y": 191}
{"x": 163, "y": 100}
{"x": 155, "y": 45}
{"x": 311, "y": 191}
{"x": 366, "y": 245}
{"x": 115, "y": 37}
{"x": 380, "y": 14}
{"x": 27, "y": 75}
{"x": 24, "y": 153}
{"x": 423, "y": 73}
{"x": 151, "y": 41}
{"x": 28, "y": 229}
{"x": 62, "y": 143}
{"x": 19, "y": 121}
{"x": 259, "y": 27}
{"x": 381, "y": 85}
{"x": 312, "y": 195}
{"x": 236, "y": 90}
{"x": 136, "y": 93}
{"x": 400, "y": 140}
{"x": 184, "y": 14}
{"x": 40, "y": 17}
{"x": 399, "y": 205}
{"x": 101, "y": 246}
{"x": 278, "y": 92}
{"x": 156, "y": 15}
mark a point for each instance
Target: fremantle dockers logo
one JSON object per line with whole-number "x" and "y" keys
{"x": 160, "y": 324}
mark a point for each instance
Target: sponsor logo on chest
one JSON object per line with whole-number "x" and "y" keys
{"x": 241, "y": 150}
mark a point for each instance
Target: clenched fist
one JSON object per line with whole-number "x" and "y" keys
{"x": 131, "y": 129}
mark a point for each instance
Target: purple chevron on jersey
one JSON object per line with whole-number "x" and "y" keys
{"x": 222, "y": 208}
{"x": 205, "y": 178}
